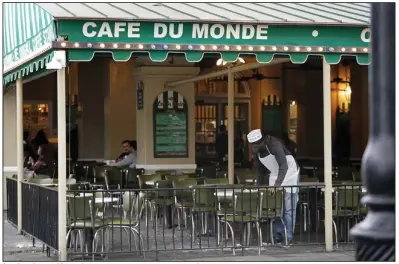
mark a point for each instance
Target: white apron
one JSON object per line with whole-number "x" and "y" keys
{"x": 292, "y": 176}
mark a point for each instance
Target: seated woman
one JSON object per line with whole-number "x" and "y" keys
{"x": 45, "y": 152}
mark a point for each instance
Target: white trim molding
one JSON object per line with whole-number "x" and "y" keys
{"x": 10, "y": 169}
{"x": 167, "y": 166}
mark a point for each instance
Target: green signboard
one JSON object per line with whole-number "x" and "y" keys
{"x": 170, "y": 125}
{"x": 213, "y": 33}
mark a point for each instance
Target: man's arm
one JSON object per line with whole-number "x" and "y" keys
{"x": 126, "y": 161}
{"x": 278, "y": 151}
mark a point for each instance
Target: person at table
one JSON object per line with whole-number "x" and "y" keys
{"x": 271, "y": 154}
{"x": 128, "y": 156}
{"x": 222, "y": 144}
{"x": 44, "y": 161}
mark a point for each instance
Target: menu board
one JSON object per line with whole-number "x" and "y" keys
{"x": 170, "y": 128}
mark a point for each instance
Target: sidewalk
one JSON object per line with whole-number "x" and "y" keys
{"x": 19, "y": 248}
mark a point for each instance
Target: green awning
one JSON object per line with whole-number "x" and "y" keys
{"x": 124, "y": 38}
{"x": 28, "y": 33}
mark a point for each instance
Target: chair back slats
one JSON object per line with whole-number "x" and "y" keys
{"x": 248, "y": 203}
{"x": 204, "y": 196}
{"x": 79, "y": 207}
{"x": 168, "y": 192}
{"x": 144, "y": 178}
{"x": 273, "y": 202}
{"x": 220, "y": 181}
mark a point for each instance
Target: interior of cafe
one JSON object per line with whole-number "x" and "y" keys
{"x": 283, "y": 100}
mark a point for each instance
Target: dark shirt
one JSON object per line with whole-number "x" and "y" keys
{"x": 276, "y": 148}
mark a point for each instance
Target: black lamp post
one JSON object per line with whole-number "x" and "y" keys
{"x": 375, "y": 235}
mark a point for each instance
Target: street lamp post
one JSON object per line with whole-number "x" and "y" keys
{"x": 375, "y": 235}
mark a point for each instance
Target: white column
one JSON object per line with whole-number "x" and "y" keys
{"x": 20, "y": 149}
{"x": 327, "y": 156}
{"x": 61, "y": 117}
{"x": 230, "y": 129}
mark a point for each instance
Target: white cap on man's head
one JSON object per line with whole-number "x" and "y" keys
{"x": 254, "y": 135}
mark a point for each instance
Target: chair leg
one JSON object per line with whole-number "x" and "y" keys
{"x": 228, "y": 225}
{"x": 141, "y": 242}
{"x": 271, "y": 231}
{"x": 259, "y": 237}
{"x": 193, "y": 227}
{"x": 218, "y": 230}
{"x": 336, "y": 233}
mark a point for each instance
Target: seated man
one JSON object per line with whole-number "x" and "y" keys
{"x": 128, "y": 157}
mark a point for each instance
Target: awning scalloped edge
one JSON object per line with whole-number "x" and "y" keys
{"x": 196, "y": 56}
{"x": 28, "y": 68}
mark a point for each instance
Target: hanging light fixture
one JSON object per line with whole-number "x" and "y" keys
{"x": 221, "y": 62}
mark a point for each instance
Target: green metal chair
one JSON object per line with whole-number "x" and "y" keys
{"x": 146, "y": 194}
{"x": 347, "y": 207}
{"x": 183, "y": 198}
{"x": 164, "y": 198}
{"x": 205, "y": 203}
{"x": 219, "y": 181}
{"x": 80, "y": 218}
{"x": 176, "y": 177}
{"x": 247, "y": 211}
{"x": 272, "y": 209}
{"x": 128, "y": 223}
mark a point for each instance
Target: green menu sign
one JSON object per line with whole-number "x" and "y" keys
{"x": 170, "y": 126}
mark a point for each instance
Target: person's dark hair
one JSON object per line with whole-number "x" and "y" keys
{"x": 40, "y": 138}
{"x": 222, "y": 128}
{"x": 128, "y": 142}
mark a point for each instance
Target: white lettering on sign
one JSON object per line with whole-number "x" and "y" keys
{"x": 217, "y": 31}
{"x": 133, "y": 30}
{"x": 365, "y": 36}
{"x": 200, "y": 31}
{"x": 176, "y": 30}
{"x": 89, "y": 30}
{"x": 119, "y": 27}
{"x": 261, "y": 31}
{"x": 105, "y": 30}
{"x": 160, "y": 30}
{"x": 231, "y": 31}
{"x": 85, "y": 29}
{"x": 179, "y": 33}
{"x": 248, "y": 32}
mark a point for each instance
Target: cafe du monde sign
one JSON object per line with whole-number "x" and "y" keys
{"x": 212, "y": 33}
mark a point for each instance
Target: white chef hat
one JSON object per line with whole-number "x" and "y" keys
{"x": 254, "y": 136}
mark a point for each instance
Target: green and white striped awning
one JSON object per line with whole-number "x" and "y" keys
{"x": 28, "y": 33}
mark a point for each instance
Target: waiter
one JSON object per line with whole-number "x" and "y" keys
{"x": 269, "y": 153}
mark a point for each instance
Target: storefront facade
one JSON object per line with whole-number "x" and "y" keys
{"x": 127, "y": 87}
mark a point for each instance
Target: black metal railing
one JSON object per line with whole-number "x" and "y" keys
{"x": 12, "y": 203}
{"x": 183, "y": 216}
{"x": 40, "y": 213}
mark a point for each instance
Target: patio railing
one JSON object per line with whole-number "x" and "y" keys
{"x": 12, "y": 196}
{"x": 40, "y": 213}
{"x": 169, "y": 219}
{"x": 177, "y": 216}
